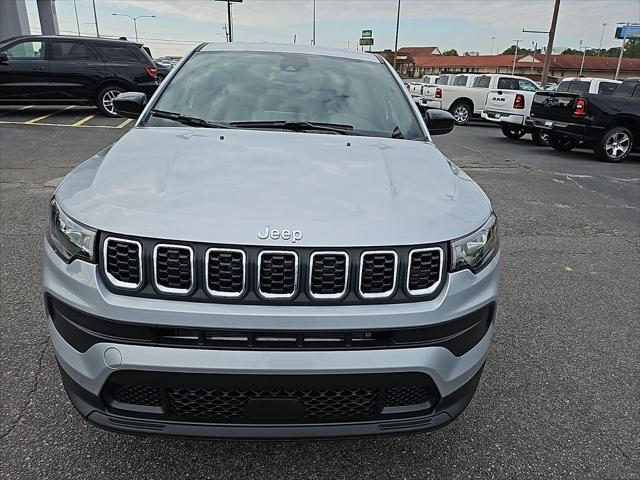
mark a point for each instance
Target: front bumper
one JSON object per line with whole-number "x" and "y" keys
{"x": 454, "y": 377}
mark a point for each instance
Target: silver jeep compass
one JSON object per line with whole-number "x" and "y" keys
{"x": 276, "y": 250}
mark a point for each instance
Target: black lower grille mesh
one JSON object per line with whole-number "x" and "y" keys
{"x": 123, "y": 261}
{"x": 173, "y": 267}
{"x": 328, "y": 273}
{"x": 424, "y": 269}
{"x": 404, "y": 396}
{"x": 137, "y": 395}
{"x": 378, "y": 273}
{"x": 225, "y": 271}
{"x": 278, "y": 273}
{"x": 229, "y": 404}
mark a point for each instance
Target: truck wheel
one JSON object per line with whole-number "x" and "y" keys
{"x": 615, "y": 145}
{"x": 513, "y": 132}
{"x": 461, "y": 112}
{"x": 104, "y": 102}
{"x": 540, "y": 138}
{"x": 561, "y": 143}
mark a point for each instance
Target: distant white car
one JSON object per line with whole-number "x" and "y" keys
{"x": 600, "y": 86}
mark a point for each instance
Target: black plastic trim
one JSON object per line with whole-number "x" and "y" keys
{"x": 81, "y": 331}
{"x": 92, "y": 408}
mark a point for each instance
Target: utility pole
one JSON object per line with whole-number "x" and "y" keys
{"x": 492, "y": 40}
{"x": 601, "y": 37}
{"x": 313, "y": 37}
{"x": 584, "y": 53}
{"x": 229, "y": 23}
{"x": 552, "y": 34}
{"x": 395, "y": 50}
{"x": 95, "y": 17}
{"x": 515, "y": 56}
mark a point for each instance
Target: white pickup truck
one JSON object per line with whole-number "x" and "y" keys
{"x": 465, "y": 101}
{"x": 416, "y": 88}
{"x": 511, "y": 106}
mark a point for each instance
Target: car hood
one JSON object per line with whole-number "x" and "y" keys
{"x": 225, "y": 186}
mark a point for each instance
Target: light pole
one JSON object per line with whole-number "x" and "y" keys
{"x": 135, "y": 20}
{"x": 395, "y": 50}
{"x": 95, "y": 17}
{"x": 601, "y": 37}
{"x": 313, "y": 38}
{"x": 515, "y": 56}
{"x": 75, "y": 7}
{"x": 492, "y": 40}
{"x": 584, "y": 53}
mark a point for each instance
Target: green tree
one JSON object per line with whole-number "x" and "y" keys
{"x": 521, "y": 51}
{"x": 450, "y": 53}
{"x": 632, "y": 48}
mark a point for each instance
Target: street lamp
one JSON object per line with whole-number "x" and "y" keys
{"x": 601, "y": 37}
{"x": 491, "y": 51}
{"x": 135, "y": 20}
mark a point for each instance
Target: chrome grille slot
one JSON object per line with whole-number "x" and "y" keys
{"x": 123, "y": 262}
{"x": 378, "y": 272}
{"x": 277, "y": 274}
{"x": 173, "y": 268}
{"x": 329, "y": 275}
{"x": 225, "y": 272}
{"x": 425, "y": 270}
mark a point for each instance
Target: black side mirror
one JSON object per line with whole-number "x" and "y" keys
{"x": 130, "y": 104}
{"x": 439, "y": 122}
{"x": 4, "y": 57}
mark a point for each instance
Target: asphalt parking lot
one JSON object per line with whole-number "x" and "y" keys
{"x": 559, "y": 395}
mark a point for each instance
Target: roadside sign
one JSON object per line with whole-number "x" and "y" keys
{"x": 367, "y": 33}
{"x": 628, "y": 31}
{"x": 366, "y": 41}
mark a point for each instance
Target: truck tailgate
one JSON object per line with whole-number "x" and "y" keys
{"x": 554, "y": 105}
{"x": 500, "y": 100}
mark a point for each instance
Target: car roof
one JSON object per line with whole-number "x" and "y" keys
{"x": 71, "y": 37}
{"x": 587, "y": 79}
{"x": 283, "y": 48}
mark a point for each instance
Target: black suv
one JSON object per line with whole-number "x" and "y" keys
{"x": 73, "y": 70}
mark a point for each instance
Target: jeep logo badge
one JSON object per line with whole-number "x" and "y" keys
{"x": 285, "y": 234}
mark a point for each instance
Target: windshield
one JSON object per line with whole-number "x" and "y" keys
{"x": 232, "y": 87}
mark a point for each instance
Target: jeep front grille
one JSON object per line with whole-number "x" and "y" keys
{"x": 252, "y": 275}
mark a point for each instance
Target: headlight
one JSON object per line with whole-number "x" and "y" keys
{"x": 476, "y": 250}
{"x": 69, "y": 238}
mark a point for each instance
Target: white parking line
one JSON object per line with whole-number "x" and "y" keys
{"x": 4, "y": 122}
{"x": 30, "y": 122}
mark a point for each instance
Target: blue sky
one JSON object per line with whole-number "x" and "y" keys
{"x": 466, "y": 25}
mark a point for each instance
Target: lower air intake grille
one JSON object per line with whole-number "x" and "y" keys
{"x": 173, "y": 268}
{"x": 378, "y": 273}
{"x": 425, "y": 267}
{"x": 277, "y": 274}
{"x": 229, "y": 404}
{"x": 122, "y": 262}
{"x": 404, "y": 396}
{"x": 329, "y": 271}
{"x": 137, "y": 395}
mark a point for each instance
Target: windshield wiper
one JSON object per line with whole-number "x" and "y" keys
{"x": 187, "y": 120}
{"x": 297, "y": 126}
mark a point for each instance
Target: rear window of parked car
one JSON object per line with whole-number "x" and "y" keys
{"x": 607, "y": 88}
{"x": 482, "y": 82}
{"x": 461, "y": 80}
{"x": 116, "y": 53}
{"x": 625, "y": 89}
{"x": 575, "y": 87}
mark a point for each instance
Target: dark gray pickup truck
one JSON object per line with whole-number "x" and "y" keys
{"x": 610, "y": 124}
